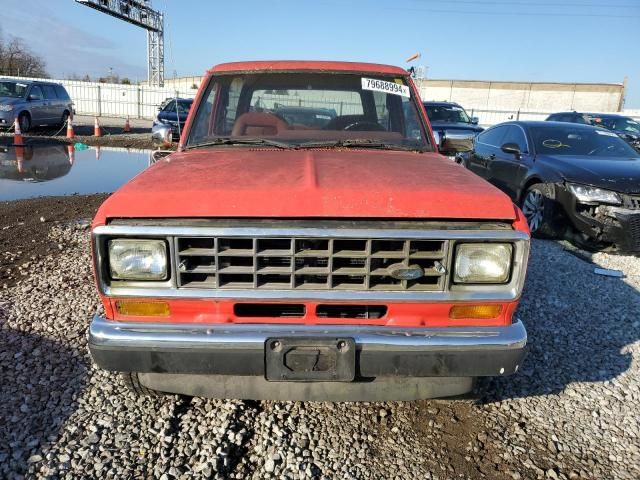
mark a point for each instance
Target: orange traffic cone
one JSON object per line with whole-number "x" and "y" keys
{"x": 127, "y": 127}
{"x": 97, "y": 131}
{"x": 20, "y": 158}
{"x": 71, "y": 151}
{"x": 17, "y": 134}
{"x": 97, "y": 153}
{"x": 70, "y": 133}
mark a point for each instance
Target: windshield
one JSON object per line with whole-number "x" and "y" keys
{"x": 308, "y": 110}
{"x": 621, "y": 124}
{"x": 12, "y": 89}
{"x": 590, "y": 142}
{"x": 183, "y": 107}
{"x": 447, "y": 113}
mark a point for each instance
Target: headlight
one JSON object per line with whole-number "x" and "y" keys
{"x": 483, "y": 263}
{"x": 137, "y": 259}
{"x": 584, "y": 193}
{"x": 6, "y": 108}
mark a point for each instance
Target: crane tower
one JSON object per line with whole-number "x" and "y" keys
{"x": 141, "y": 14}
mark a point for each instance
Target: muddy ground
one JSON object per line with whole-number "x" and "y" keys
{"x": 113, "y": 135}
{"x": 25, "y": 226}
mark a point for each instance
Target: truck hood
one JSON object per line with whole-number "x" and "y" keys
{"x": 248, "y": 182}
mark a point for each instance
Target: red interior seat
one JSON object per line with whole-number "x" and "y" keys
{"x": 258, "y": 124}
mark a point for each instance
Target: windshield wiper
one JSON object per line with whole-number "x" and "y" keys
{"x": 360, "y": 143}
{"x": 242, "y": 141}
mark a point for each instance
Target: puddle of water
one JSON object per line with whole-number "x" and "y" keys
{"x": 38, "y": 171}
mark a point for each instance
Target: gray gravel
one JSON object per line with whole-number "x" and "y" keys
{"x": 571, "y": 412}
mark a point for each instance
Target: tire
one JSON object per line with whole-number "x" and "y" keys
{"x": 132, "y": 382}
{"x": 24, "y": 119}
{"x": 539, "y": 207}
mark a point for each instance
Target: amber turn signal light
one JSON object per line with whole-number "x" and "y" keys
{"x": 475, "y": 311}
{"x": 143, "y": 309}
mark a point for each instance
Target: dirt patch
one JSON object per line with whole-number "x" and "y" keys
{"x": 25, "y": 226}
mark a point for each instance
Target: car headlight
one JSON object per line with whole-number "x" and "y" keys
{"x": 483, "y": 263}
{"x": 6, "y": 108}
{"x": 131, "y": 259}
{"x": 585, "y": 193}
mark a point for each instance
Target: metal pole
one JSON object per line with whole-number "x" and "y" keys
{"x": 99, "y": 101}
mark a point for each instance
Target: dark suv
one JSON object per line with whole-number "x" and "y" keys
{"x": 34, "y": 103}
{"x": 173, "y": 113}
{"x": 452, "y": 127}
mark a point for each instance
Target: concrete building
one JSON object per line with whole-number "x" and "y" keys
{"x": 526, "y": 96}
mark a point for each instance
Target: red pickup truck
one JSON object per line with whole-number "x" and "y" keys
{"x": 308, "y": 242}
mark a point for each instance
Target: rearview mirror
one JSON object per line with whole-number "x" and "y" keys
{"x": 511, "y": 148}
{"x": 437, "y": 138}
{"x": 474, "y": 120}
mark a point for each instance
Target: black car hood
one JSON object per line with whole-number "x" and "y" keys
{"x": 621, "y": 174}
{"x": 455, "y": 126}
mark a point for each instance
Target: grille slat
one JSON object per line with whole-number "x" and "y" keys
{"x": 307, "y": 263}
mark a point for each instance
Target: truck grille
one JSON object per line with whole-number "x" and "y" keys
{"x": 238, "y": 263}
{"x": 634, "y": 232}
{"x": 631, "y": 202}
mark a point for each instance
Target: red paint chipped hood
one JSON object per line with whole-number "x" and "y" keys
{"x": 243, "y": 182}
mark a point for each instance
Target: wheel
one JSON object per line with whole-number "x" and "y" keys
{"x": 539, "y": 208}
{"x": 24, "y": 119}
{"x": 132, "y": 382}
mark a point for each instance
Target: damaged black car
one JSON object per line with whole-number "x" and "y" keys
{"x": 571, "y": 181}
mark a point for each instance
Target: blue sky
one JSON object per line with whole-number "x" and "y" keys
{"x": 529, "y": 40}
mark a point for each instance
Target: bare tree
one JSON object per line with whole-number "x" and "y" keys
{"x": 17, "y": 59}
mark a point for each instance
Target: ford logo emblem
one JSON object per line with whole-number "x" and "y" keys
{"x": 404, "y": 272}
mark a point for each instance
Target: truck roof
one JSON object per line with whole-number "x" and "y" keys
{"x": 307, "y": 65}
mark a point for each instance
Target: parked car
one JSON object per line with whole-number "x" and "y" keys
{"x": 626, "y": 127}
{"x": 571, "y": 179}
{"x": 349, "y": 261}
{"x": 34, "y": 103}
{"x": 453, "y": 128}
{"x": 173, "y": 113}
{"x": 570, "y": 117}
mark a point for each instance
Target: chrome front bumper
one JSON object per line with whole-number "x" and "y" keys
{"x": 239, "y": 349}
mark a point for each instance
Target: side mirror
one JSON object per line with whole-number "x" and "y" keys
{"x": 161, "y": 135}
{"x": 31, "y": 98}
{"x": 437, "y": 138}
{"x": 511, "y": 148}
{"x": 474, "y": 120}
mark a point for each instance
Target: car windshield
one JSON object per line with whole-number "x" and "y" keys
{"x": 304, "y": 109}
{"x": 447, "y": 113}
{"x": 12, "y": 89}
{"x": 183, "y": 107}
{"x": 585, "y": 141}
{"x": 621, "y": 124}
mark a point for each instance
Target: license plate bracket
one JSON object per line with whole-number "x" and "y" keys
{"x": 310, "y": 359}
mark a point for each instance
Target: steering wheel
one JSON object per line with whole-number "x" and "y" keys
{"x": 364, "y": 125}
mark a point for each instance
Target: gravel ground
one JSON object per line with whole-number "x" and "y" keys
{"x": 571, "y": 412}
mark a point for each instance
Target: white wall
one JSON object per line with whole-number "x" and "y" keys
{"x": 115, "y": 100}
